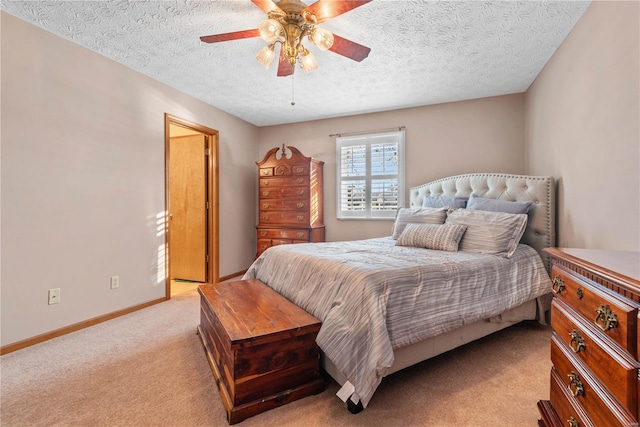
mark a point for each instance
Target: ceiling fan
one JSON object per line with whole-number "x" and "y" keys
{"x": 288, "y": 22}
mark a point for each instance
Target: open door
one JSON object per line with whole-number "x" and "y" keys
{"x": 191, "y": 202}
{"x": 188, "y": 208}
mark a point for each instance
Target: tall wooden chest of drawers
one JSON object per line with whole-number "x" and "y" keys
{"x": 595, "y": 378}
{"x": 290, "y": 206}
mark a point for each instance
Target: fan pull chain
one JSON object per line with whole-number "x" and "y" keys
{"x": 293, "y": 102}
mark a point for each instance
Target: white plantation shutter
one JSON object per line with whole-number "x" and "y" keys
{"x": 370, "y": 175}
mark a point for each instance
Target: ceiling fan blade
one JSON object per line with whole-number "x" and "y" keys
{"x": 351, "y": 50}
{"x": 327, "y": 9}
{"x": 231, "y": 36}
{"x": 267, "y": 5}
{"x": 284, "y": 66}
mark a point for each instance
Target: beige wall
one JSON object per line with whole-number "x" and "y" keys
{"x": 582, "y": 126}
{"x": 483, "y": 135}
{"x": 83, "y": 182}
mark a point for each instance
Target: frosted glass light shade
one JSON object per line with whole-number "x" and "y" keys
{"x": 321, "y": 38}
{"x": 266, "y": 55}
{"x": 309, "y": 63}
{"x": 271, "y": 31}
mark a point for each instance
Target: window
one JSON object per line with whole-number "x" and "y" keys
{"x": 370, "y": 175}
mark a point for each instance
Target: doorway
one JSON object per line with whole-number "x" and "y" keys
{"x": 191, "y": 203}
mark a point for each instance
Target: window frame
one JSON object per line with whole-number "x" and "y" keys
{"x": 368, "y": 140}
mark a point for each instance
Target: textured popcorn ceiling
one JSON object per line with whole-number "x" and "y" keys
{"x": 422, "y": 52}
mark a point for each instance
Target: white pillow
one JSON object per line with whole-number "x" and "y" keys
{"x": 441, "y": 237}
{"x": 495, "y": 233}
{"x": 419, "y": 216}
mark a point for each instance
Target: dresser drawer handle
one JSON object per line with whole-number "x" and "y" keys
{"x": 265, "y": 193}
{"x": 265, "y": 206}
{"x": 263, "y": 233}
{"x": 265, "y": 218}
{"x": 300, "y": 180}
{"x": 607, "y": 317}
{"x": 557, "y": 285}
{"x": 300, "y": 217}
{"x": 575, "y": 385}
{"x": 300, "y": 234}
{"x": 572, "y": 422}
{"x": 579, "y": 293}
{"x": 300, "y": 205}
{"x": 577, "y": 342}
{"x": 300, "y": 192}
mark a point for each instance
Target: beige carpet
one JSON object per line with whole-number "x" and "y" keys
{"x": 149, "y": 369}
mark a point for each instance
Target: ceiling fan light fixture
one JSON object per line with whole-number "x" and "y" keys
{"x": 266, "y": 55}
{"x": 321, "y": 38}
{"x": 271, "y": 31}
{"x": 308, "y": 62}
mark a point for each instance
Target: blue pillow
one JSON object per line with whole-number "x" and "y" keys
{"x": 443, "y": 200}
{"x": 495, "y": 205}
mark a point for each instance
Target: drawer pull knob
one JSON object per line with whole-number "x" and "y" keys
{"x": 579, "y": 293}
{"x": 265, "y": 193}
{"x": 300, "y": 192}
{"x": 300, "y": 205}
{"x": 572, "y": 422}
{"x": 300, "y": 234}
{"x": 265, "y": 218}
{"x": 575, "y": 385}
{"x": 300, "y": 181}
{"x": 607, "y": 317}
{"x": 263, "y": 233}
{"x": 577, "y": 342}
{"x": 265, "y": 205}
{"x": 300, "y": 217}
{"x": 557, "y": 285}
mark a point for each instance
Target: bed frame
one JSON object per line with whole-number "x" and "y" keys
{"x": 539, "y": 234}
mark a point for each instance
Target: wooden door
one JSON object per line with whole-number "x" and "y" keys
{"x": 188, "y": 208}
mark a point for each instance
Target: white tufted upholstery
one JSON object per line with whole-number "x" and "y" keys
{"x": 541, "y": 190}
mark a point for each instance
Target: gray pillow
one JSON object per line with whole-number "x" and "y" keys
{"x": 444, "y": 200}
{"x": 441, "y": 237}
{"x": 495, "y": 205}
{"x": 495, "y": 233}
{"x": 417, "y": 215}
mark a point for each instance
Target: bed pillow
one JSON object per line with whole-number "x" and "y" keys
{"x": 443, "y": 200}
{"x": 441, "y": 237}
{"x": 495, "y": 233}
{"x": 417, "y": 215}
{"x": 495, "y": 205}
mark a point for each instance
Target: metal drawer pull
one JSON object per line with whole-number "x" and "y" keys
{"x": 265, "y": 193}
{"x": 263, "y": 233}
{"x": 300, "y": 217}
{"x": 579, "y": 293}
{"x": 575, "y": 385}
{"x": 265, "y": 205}
{"x": 607, "y": 316}
{"x": 300, "y": 192}
{"x": 572, "y": 422}
{"x": 300, "y": 180}
{"x": 265, "y": 218}
{"x": 557, "y": 285}
{"x": 300, "y": 205}
{"x": 577, "y": 342}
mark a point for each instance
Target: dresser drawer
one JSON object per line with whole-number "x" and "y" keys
{"x": 284, "y": 181}
{"x": 603, "y": 409}
{"x": 565, "y": 405}
{"x": 284, "y": 193}
{"x": 283, "y": 233}
{"x": 615, "y": 369}
{"x": 609, "y": 314}
{"x": 286, "y": 204}
{"x": 277, "y": 217}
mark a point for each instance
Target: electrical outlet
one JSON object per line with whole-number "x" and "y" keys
{"x": 115, "y": 282}
{"x": 54, "y": 296}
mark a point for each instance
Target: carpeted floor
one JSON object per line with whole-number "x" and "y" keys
{"x": 149, "y": 369}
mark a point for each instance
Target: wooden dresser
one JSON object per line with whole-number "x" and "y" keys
{"x": 594, "y": 345}
{"x": 289, "y": 199}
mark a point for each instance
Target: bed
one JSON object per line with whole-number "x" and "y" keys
{"x": 386, "y": 306}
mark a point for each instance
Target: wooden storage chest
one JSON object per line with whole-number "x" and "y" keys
{"x": 260, "y": 346}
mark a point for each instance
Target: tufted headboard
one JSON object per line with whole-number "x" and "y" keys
{"x": 541, "y": 190}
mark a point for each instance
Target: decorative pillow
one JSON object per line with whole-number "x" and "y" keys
{"x": 444, "y": 200}
{"x": 495, "y": 205}
{"x": 495, "y": 233}
{"x": 417, "y": 215}
{"x": 441, "y": 237}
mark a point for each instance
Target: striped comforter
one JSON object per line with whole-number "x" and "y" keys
{"x": 373, "y": 296}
